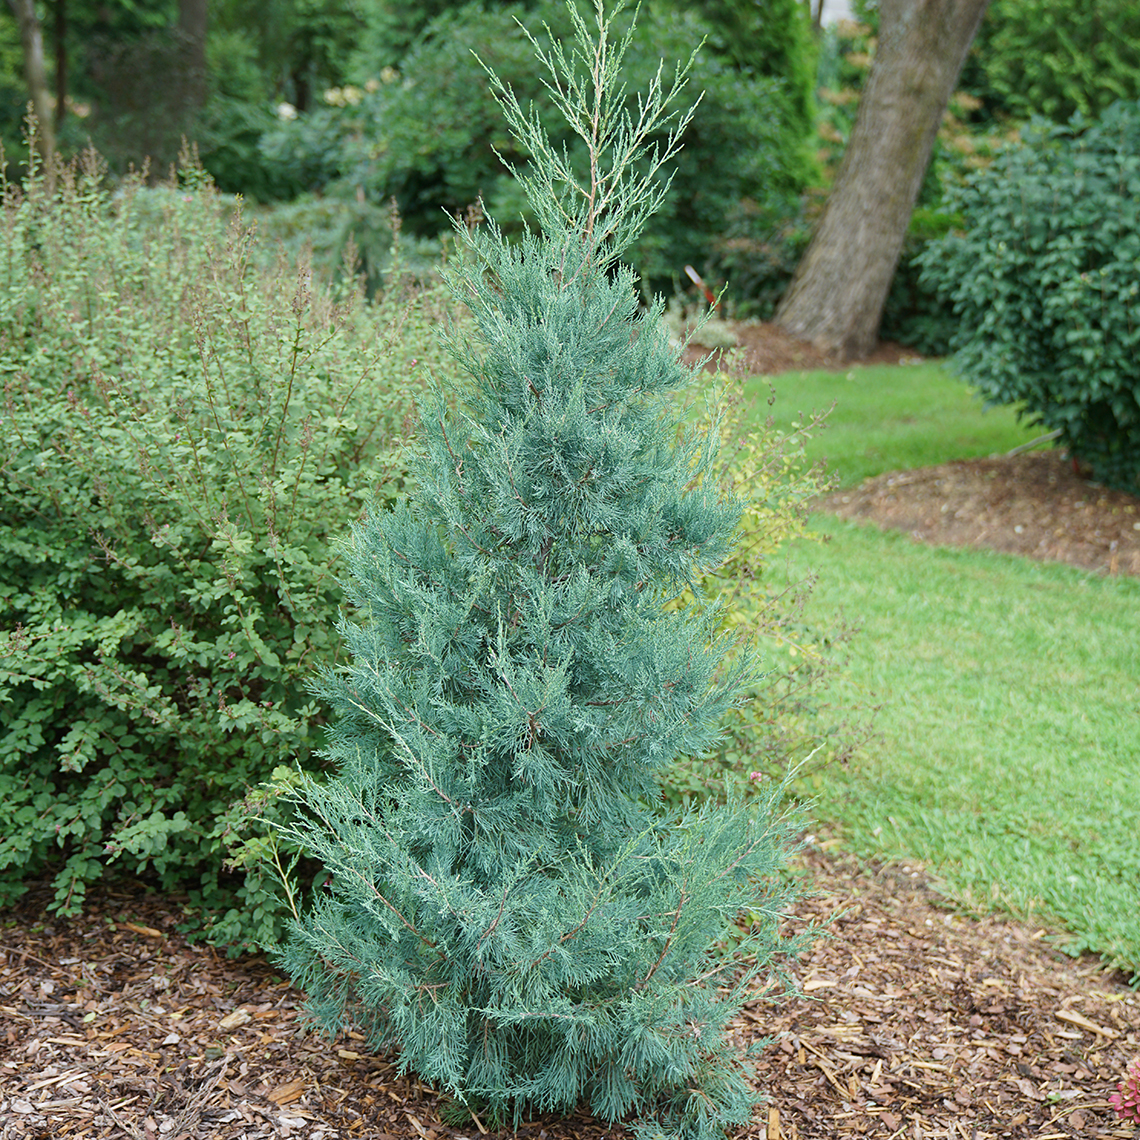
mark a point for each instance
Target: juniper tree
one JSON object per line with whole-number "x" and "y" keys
{"x": 507, "y": 904}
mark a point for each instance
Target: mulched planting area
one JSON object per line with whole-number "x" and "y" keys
{"x": 916, "y": 1022}
{"x": 1035, "y": 504}
{"x": 764, "y": 348}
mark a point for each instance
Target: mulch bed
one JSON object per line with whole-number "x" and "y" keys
{"x": 916, "y": 1022}
{"x": 766, "y": 349}
{"x": 1034, "y": 504}
{"x": 922, "y": 1022}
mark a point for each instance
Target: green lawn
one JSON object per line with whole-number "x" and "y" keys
{"x": 888, "y": 418}
{"x": 1007, "y": 755}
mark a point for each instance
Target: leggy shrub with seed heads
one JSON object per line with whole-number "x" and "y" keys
{"x": 184, "y": 428}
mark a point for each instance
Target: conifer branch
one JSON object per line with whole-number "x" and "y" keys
{"x": 570, "y": 934}
{"x": 491, "y": 929}
{"x": 668, "y": 940}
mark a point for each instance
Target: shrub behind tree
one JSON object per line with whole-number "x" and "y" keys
{"x": 1043, "y": 283}
{"x": 1055, "y": 57}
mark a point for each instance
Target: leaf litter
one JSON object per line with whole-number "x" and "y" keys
{"x": 916, "y": 1023}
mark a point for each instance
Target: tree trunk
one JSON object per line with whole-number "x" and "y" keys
{"x": 192, "y": 26}
{"x": 59, "y": 34}
{"x": 31, "y": 35}
{"x": 839, "y": 288}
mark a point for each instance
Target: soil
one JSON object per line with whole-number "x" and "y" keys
{"x": 768, "y": 350}
{"x": 916, "y": 1021}
{"x": 1033, "y": 504}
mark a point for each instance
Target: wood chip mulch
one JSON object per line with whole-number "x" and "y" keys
{"x": 920, "y": 1022}
{"x": 1033, "y": 504}
{"x": 915, "y": 1023}
{"x": 766, "y": 349}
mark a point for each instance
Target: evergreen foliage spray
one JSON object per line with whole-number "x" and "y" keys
{"x": 507, "y": 905}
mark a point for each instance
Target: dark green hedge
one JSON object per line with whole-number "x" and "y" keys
{"x": 1044, "y": 279}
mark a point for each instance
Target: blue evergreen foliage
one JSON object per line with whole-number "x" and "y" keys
{"x": 507, "y": 904}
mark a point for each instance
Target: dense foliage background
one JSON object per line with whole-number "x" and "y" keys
{"x": 329, "y": 112}
{"x": 370, "y": 103}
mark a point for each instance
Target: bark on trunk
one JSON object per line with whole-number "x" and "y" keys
{"x": 59, "y": 34}
{"x": 837, "y": 294}
{"x": 192, "y": 26}
{"x": 31, "y": 36}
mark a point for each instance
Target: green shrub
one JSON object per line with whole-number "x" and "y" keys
{"x": 1055, "y": 57}
{"x": 183, "y": 431}
{"x": 770, "y": 39}
{"x": 391, "y": 28}
{"x": 756, "y": 254}
{"x": 229, "y": 137}
{"x": 1044, "y": 286}
{"x": 307, "y": 152}
{"x": 328, "y": 228}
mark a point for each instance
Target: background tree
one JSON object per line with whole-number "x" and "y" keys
{"x": 837, "y": 294}
{"x": 391, "y": 27}
{"x": 770, "y": 40}
{"x": 141, "y": 74}
{"x": 39, "y": 92}
{"x": 136, "y": 71}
